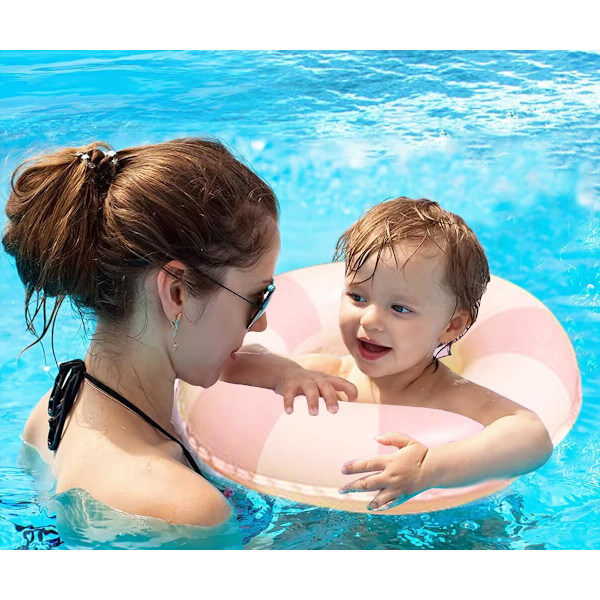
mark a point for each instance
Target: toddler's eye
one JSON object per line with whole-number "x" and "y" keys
{"x": 400, "y": 309}
{"x": 356, "y": 297}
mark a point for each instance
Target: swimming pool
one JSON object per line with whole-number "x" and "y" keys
{"x": 509, "y": 140}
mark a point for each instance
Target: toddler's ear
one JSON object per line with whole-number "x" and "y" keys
{"x": 456, "y": 327}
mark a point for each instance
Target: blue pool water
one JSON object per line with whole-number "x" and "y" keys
{"x": 509, "y": 140}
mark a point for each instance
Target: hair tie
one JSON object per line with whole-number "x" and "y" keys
{"x": 84, "y": 156}
{"x": 113, "y": 155}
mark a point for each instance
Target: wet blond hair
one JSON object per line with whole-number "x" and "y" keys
{"x": 422, "y": 223}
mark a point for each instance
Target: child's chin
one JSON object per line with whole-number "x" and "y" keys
{"x": 372, "y": 367}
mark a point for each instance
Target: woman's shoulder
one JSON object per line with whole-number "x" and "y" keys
{"x": 35, "y": 432}
{"x": 153, "y": 486}
{"x": 146, "y": 480}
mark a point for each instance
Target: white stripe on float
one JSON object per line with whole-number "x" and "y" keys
{"x": 323, "y": 284}
{"x": 311, "y": 450}
{"x": 502, "y": 295}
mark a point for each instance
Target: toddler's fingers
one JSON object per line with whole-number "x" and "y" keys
{"x": 311, "y": 391}
{"x": 395, "y": 501}
{"x": 383, "y": 500}
{"x": 288, "y": 402}
{"x": 394, "y": 439}
{"x": 377, "y": 463}
{"x": 341, "y": 385}
{"x": 370, "y": 483}
{"x": 330, "y": 397}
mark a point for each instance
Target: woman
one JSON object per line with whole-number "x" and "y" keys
{"x": 173, "y": 248}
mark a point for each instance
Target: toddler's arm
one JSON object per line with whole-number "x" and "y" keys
{"x": 310, "y": 375}
{"x": 514, "y": 441}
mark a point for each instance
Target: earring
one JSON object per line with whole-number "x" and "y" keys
{"x": 443, "y": 350}
{"x": 175, "y": 324}
{"x": 446, "y": 349}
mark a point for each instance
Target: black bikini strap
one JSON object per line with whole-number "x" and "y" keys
{"x": 66, "y": 385}
{"x": 64, "y": 392}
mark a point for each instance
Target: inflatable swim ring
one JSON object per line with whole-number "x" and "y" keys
{"x": 516, "y": 347}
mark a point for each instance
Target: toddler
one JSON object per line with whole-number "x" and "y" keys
{"x": 414, "y": 277}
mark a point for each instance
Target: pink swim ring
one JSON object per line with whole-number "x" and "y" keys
{"x": 516, "y": 348}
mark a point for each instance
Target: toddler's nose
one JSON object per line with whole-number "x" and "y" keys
{"x": 371, "y": 319}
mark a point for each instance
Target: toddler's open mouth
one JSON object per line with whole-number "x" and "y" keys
{"x": 370, "y": 350}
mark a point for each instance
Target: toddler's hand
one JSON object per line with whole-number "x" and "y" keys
{"x": 399, "y": 475}
{"x": 313, "y": 384}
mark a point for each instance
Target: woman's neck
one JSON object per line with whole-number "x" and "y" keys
{"x": 140, "y": 372}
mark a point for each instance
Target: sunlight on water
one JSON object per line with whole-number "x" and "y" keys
{"x": 509, "y": 140}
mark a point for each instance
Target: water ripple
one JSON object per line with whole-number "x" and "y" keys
{"x": 509, "y": 140}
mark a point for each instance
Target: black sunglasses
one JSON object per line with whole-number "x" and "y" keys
{"x": 260, "y": 305}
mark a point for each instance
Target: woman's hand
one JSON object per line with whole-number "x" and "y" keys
{"x": 297, "y": 381}
{"x": 399, "y": 476}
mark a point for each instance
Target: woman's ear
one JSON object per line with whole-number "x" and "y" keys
{"x": 456, "y": 327}
{"x": 171, "y": 292}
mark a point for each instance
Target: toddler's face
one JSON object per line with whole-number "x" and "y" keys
{"x": 395, "y": 320}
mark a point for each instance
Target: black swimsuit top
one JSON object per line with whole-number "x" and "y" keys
{"x": 66, "y": 386}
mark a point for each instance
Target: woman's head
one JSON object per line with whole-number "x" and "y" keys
{"x": 98, "y": 228}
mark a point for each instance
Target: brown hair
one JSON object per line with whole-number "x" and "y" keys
{"x": 421, "y": 221}
{"x": 90, "y": 227}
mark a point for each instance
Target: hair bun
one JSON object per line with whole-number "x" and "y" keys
{"x": 55, "y": 216}
{"x": 104, "y": 164}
